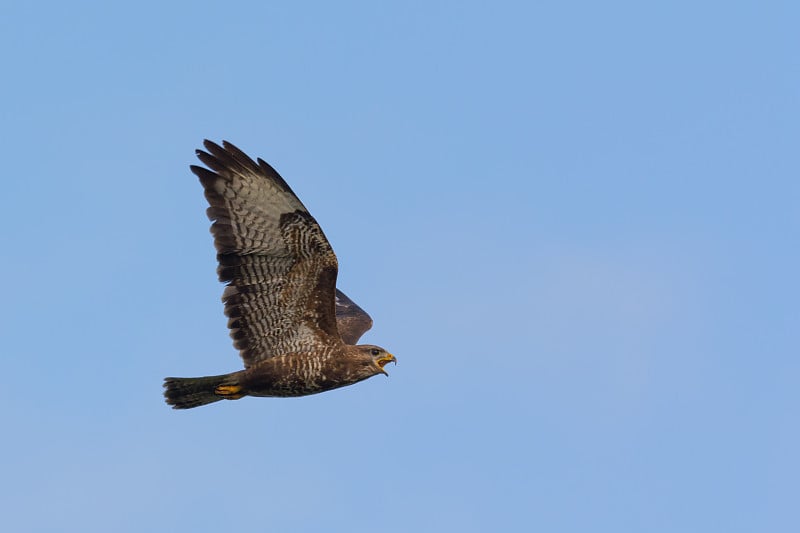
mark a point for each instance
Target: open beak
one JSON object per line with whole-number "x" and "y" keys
{"x": 383, "y": 361}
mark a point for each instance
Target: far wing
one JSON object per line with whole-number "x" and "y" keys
{"x": 351, "y": 320}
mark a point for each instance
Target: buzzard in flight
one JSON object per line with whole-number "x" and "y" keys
{"x": 294, "y": 330}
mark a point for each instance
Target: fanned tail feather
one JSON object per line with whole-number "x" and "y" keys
{"x": 186, "y": 393}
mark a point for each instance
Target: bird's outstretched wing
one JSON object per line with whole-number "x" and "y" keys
{"x": 279, "y": 267}
{"x": 351, "y": 320}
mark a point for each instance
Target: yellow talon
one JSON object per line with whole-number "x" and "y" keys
{"x": 229, "y": 392}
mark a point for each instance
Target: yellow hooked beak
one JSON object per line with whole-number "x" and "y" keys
{"x": 384, "y": 360}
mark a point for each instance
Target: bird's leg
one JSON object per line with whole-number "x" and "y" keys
{"x": 229, "y": 392}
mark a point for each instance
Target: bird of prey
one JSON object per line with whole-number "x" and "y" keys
{"x": 294, "y": 330}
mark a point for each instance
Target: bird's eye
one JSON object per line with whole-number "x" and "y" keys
{"x": 375, "y": 352}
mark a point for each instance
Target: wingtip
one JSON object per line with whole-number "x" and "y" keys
{"x": 209, "y": 144}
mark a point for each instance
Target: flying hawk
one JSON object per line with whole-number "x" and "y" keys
{"x": 294, "y": 330}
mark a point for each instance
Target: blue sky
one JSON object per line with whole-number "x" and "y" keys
{"x": 576, "y": 225}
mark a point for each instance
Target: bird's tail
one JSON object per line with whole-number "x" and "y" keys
{"x": 185, "y": 393}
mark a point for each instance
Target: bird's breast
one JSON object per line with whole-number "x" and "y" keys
{"x": 294, "y": 375}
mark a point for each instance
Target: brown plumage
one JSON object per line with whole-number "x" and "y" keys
{"x": 294, "y": 330}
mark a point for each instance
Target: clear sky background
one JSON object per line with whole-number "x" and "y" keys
{"x": 576, "y": 224}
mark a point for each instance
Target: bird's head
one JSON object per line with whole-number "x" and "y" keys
{"x": 374, "y": 358}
